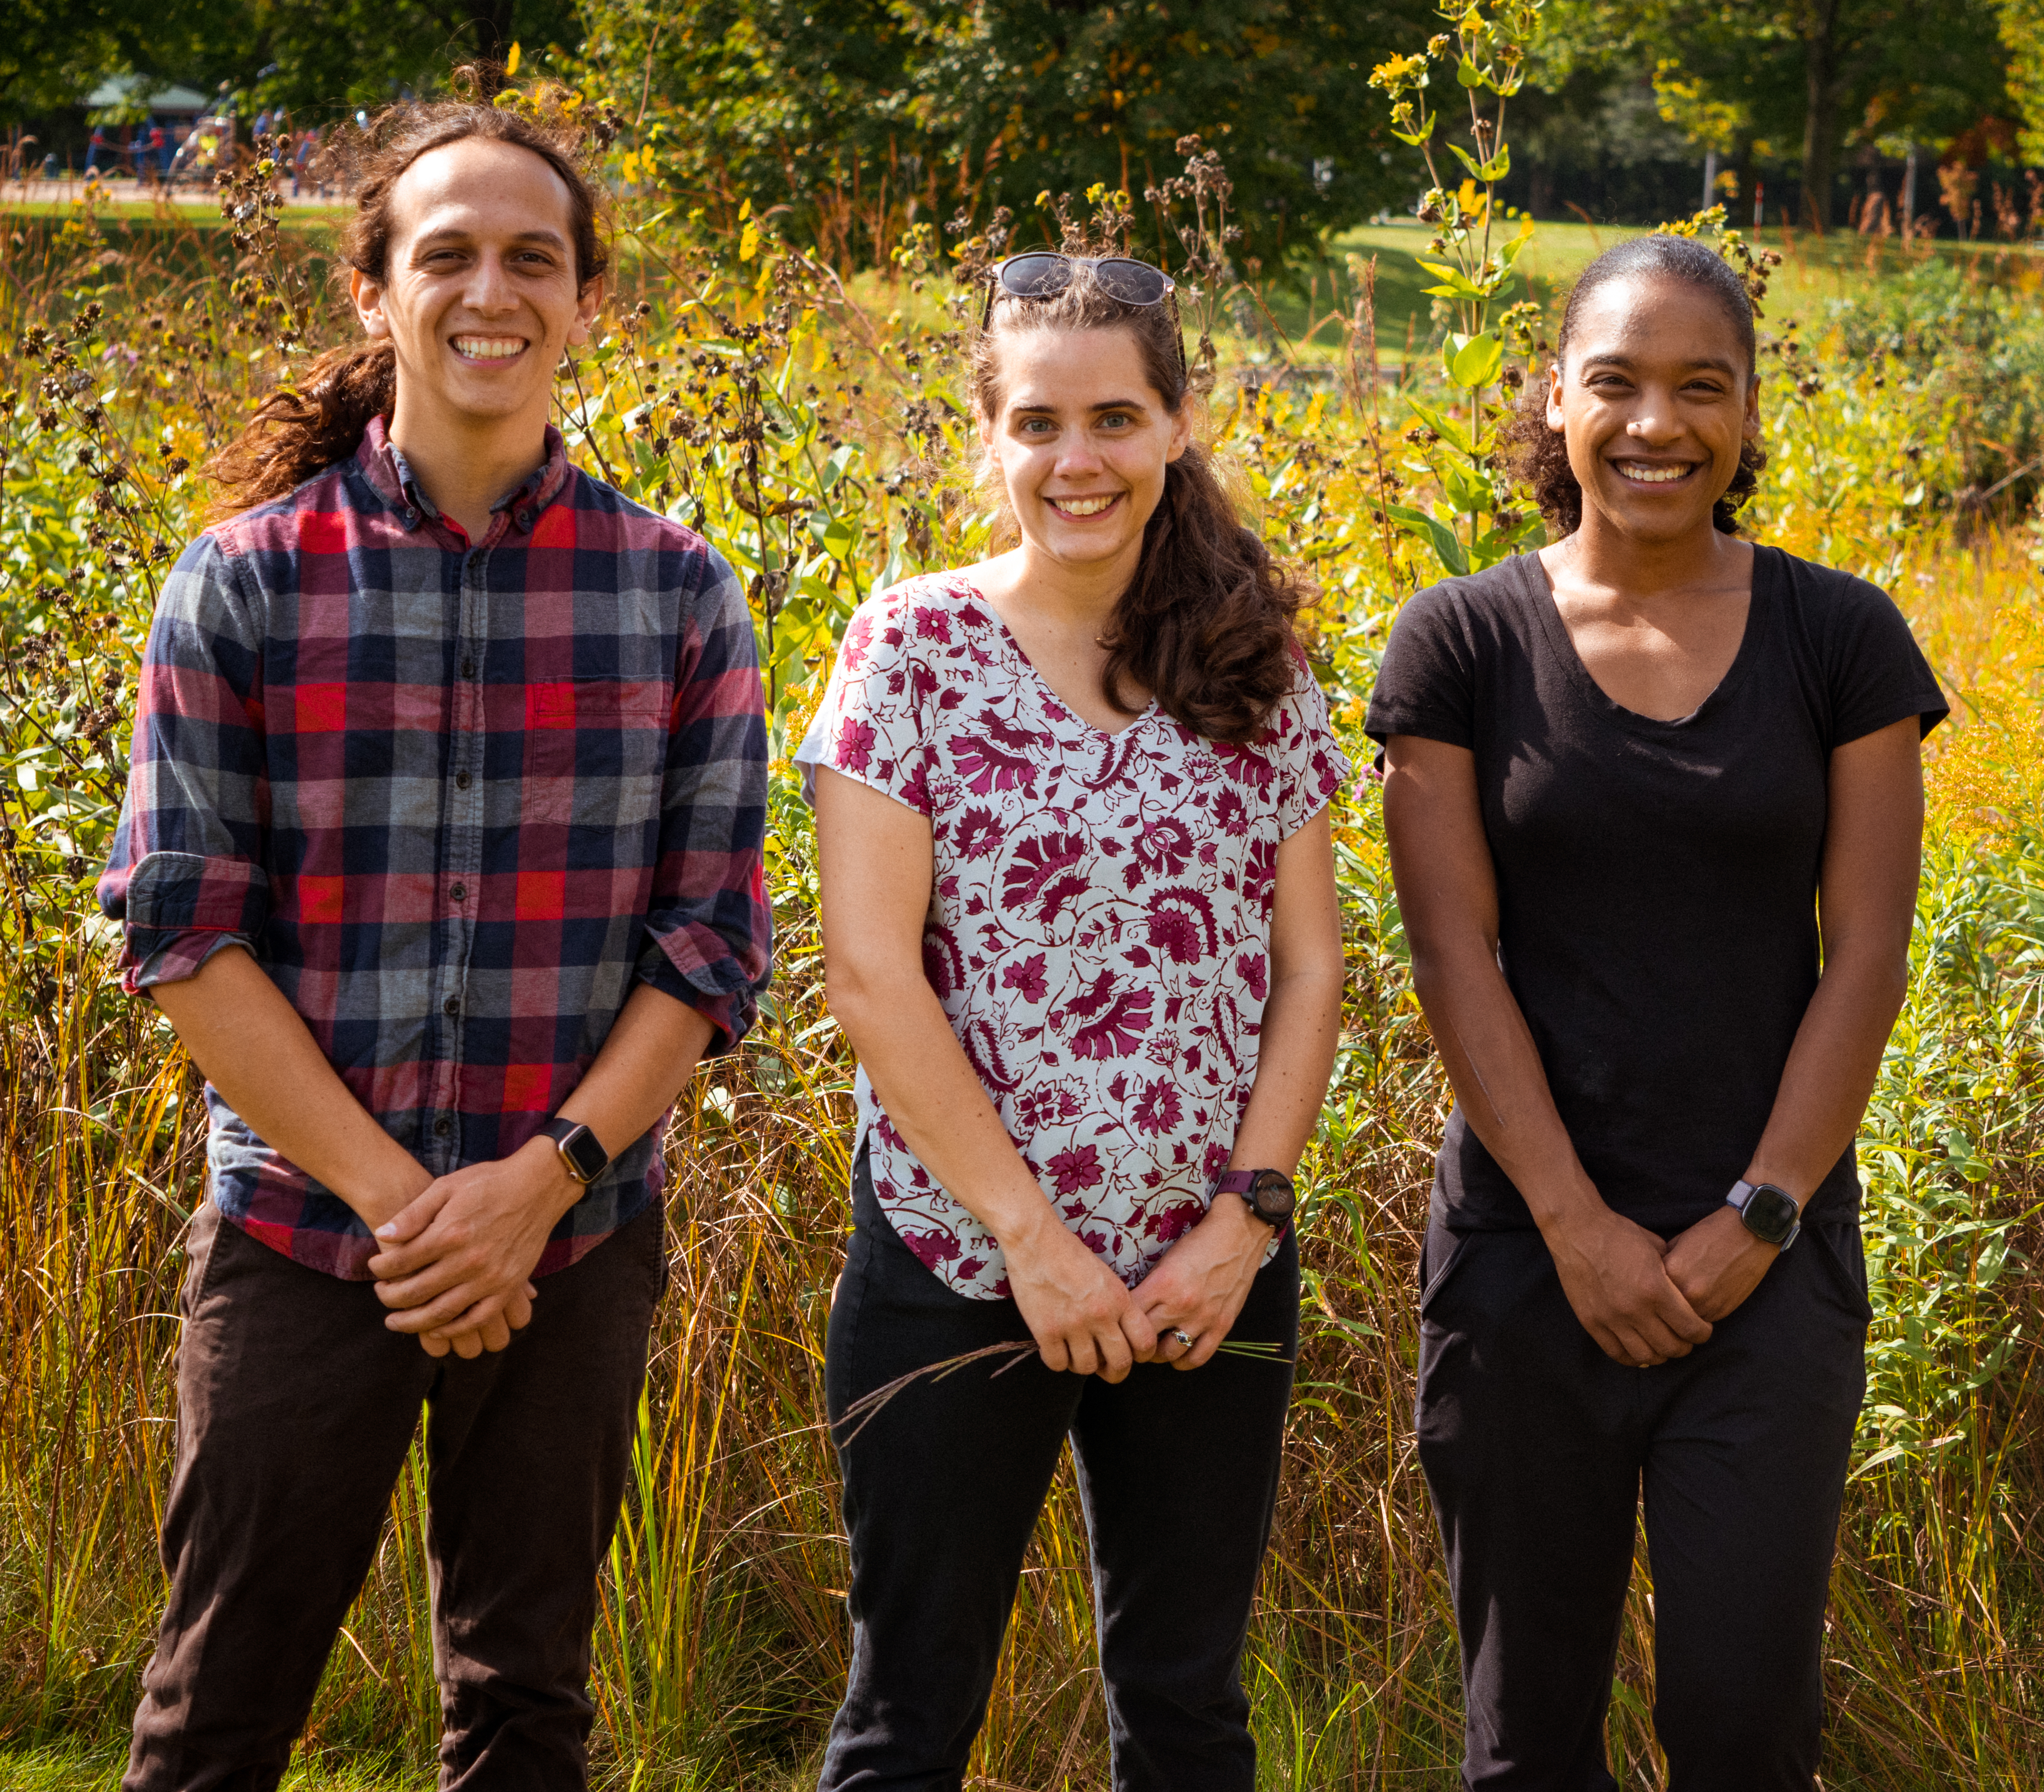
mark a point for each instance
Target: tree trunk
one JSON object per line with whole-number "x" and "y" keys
{"x": 1819, "y": 33}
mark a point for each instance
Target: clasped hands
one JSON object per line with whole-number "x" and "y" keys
{"x": 1086, "y": 1321}
{"x": 456, "y": 1262}
{"x": 1644, "y": 1299}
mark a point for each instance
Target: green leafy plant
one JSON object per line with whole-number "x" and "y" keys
{"x": 1477, "y": 523}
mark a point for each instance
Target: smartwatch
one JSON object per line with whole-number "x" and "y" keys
{"x": 1772, "y": 1215}
{"x": 582, "y": 1154}
{"x": 1270, "y": 1194}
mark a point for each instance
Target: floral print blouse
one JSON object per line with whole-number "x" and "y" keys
{"x": 1099, "y": 930}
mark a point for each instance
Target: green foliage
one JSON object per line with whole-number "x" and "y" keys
{"x": 1459, "y": 444}
{"x": 1791, "y": 83}
{"x": 2023, "y": 36}
{"x": 1941, "y": 327}
{"x": 321, "y": 58}
{"x": 863, "y": 117}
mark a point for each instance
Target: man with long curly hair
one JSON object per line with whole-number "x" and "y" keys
{"x": 443, "y": 854}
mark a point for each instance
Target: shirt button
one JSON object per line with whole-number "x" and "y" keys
{"x": 462, "y": 780}
{"x": 459, "y": 893}
{"x": 442, "y": 1127}
{"x": 451, "y": 1006}
{"x": 524, "y": 519}
{"x": 468, "y": 668}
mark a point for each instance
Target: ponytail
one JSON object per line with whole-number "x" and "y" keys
{"x": 301, "y": 430}
{"x": 1206, "y": 622}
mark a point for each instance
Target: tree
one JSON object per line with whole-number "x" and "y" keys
{"x": 1817, "y": 74}
{"x": 318, "y": 57}
{"x": 852, "y": 112}
{"x": 2022, "y": 34}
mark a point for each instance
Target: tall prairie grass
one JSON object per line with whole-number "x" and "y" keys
{"x": 818, "y": 442}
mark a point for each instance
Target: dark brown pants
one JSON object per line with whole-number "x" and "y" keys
{"x": 295, "y": 1409}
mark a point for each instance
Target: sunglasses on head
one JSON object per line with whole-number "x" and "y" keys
{"x": 1046, "y": 274}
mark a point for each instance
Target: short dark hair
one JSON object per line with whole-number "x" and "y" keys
{"x": 1539, "y": 452}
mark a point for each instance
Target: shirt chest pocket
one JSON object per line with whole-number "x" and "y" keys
{"x": 594, "y": 752}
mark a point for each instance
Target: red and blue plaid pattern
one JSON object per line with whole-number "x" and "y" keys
{"x": 458, "y": 799}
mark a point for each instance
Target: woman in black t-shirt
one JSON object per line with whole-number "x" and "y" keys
{"x": 1639, "y": 786}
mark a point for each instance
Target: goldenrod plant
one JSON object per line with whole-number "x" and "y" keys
{"x": 1476, "y": 522}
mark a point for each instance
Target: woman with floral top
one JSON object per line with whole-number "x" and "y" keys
{"x": 1080, "y": 924}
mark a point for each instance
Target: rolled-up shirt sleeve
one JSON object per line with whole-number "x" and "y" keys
{"x": 186, "y": 873}
{"x": 710, "y": 927}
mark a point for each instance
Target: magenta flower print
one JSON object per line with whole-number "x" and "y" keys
{"x": 1259, "y": 876}
{"x": 1245, "y": 765}
{"x": 986, "y": 768}
{"x": 1033, "y": 873}
{"x": 1119, "y": 1029}
{"x": 1158, "y": 1109}
{"x": 1167, "y": 1223}
{"x": 932, "y": 624}
{"x": 915, "y": 787}
{"x": 977, "y": 834}
{"x": 1252, "y": 967}
{"x": 1046, "y": 1105}
{"x": 1180, "y": 925}
{"x": 998, "y": 758}
{"x": 933, "y": 1249}
{"x": 1026, "y": 978}
{"x": 943, "y": 964}
{"x": 1231, "y": 813}
{"x": 1077, "y": 1169}
{"x": 855, "y": 745}
{"x": 1163, "y": 848}
{"x": 1175, "y": 934}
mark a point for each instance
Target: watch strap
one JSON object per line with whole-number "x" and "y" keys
{"x": 1243, "y": 1182}
{"x": 1741, "y": 1197}
{"x": 581, "y": 1151}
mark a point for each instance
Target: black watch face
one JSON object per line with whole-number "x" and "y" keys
{"x": 582, "y": 1151}
{"x": 1273, "y": 1196}
{"x": 1770, "y": 1213}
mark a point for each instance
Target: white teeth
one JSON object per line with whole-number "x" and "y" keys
{"x": 1641, "y": 474}
{"x": 1080, "y": 506}
{"x": 489, "y": 348}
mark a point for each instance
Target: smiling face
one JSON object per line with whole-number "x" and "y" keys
{"x": 1082, "y": 439}
{"x": 1656, "y": 396}
{"x": 481, "y": 294}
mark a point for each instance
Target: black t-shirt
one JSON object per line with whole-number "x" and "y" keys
{"x": 1656, "y": 881}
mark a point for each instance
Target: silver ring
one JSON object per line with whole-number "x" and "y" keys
{"x": 1181, "y": 1337}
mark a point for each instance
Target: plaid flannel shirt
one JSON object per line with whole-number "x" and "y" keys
{"x": 458, "y": 800}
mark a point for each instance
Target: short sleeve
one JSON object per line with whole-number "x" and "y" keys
{"x": 1874, "y": 672}
{"x": 1313, "y": 768}
{"x": 1426, "y": 685}
{"x": 873, "y": 722}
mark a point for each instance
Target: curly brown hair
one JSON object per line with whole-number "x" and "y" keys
{"x": 1539, "y": 452}
{"x": 305, "y": 426}
{"x": 1206, "y": 622}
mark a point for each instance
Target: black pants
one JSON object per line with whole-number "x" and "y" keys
{"x": 295, "y": 1409}
{"x": 1535, "y": 1445}
{"x": 1178, "y": 1474}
